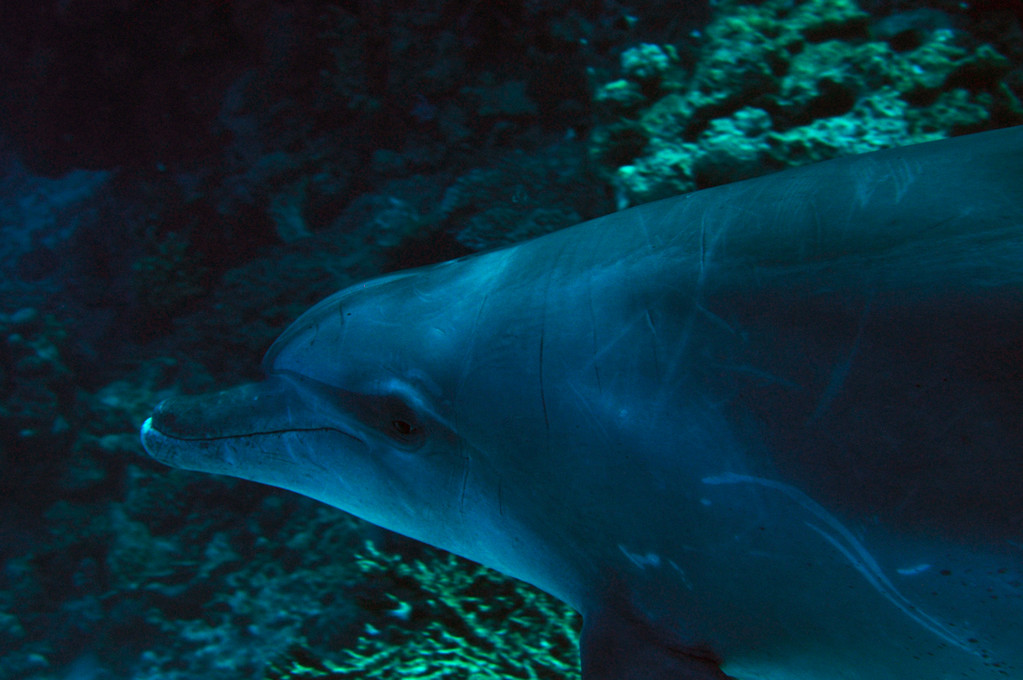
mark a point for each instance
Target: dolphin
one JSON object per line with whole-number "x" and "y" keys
{"x": 770, "y": 431}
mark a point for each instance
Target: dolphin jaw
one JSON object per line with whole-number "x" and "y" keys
{"x": 243, "y": 428}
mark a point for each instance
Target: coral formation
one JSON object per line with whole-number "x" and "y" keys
{"x": 822, "y": 85}
{"x": 37, "y": 401}
{"x": 441, "y": 617}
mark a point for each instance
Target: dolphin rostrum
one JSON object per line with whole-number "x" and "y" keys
{"x": 767, "y": 430}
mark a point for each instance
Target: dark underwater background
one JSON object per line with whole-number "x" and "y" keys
{"x": 179, "y": 179}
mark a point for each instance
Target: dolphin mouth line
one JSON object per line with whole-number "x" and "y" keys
{"x": 147, "y": 427}
{"x": 148, "y": 431}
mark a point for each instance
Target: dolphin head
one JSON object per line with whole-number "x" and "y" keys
{"x": 356, "y": 410}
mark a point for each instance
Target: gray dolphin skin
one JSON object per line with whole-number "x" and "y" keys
{"x": 769, "y": 431}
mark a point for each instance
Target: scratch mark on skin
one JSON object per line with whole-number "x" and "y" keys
{"x": 703, "y": 248}
{"x": 851, "y": 549}
{"x": 905, "y": 174}
{"x": 543, "y": 396}
{"x": 622, "y": 333}
{"x": 593, "y": 333}
{"x": 597, "y": 421}
{"x": 817, "y": 243}
{"x": 554, "y": 270}
{"x": 685, "y": 578}
{"x": 716, "y": 319}
{"x": 914, "y": 570}
{"x": 646, "y": 231}
{"x": 470, "y": 349}
{"x": 650, "y": 559}
{"x": 465, "y": 484}
{"x": 839, "y": 373}
{"x": 708, "y": 244}
{"x": 653, "y": 335}
{"x": 656, "y": 562}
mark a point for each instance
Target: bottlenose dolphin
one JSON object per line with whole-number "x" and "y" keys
{"x": 767, "y": 430}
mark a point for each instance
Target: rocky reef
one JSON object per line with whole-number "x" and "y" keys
{"x": 777, "y": 84}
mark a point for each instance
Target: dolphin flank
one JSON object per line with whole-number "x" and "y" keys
{"x": 771, "y": 430}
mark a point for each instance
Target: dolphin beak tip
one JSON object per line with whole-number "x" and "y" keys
{"x": 145, "y": 435}
{"x": 151, "y": 439}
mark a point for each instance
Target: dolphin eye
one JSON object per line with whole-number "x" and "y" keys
{"x": 399, "y": 421}
{"x": 403, "y": 427}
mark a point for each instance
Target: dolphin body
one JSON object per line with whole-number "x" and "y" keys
{"x": 770, "y": 430}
